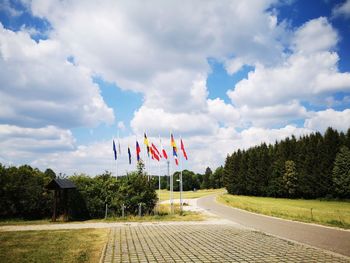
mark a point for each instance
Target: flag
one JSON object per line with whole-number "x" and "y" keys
{"x": 129, "y": 152}
{"x": 155, "y": 152}
{"x": 138, "y": 150}
{"x": 152, "y": 154}
{"x": 173, "y": 144}
{"x": 115, "y": 151}
{"x": 163, "y": 151}
{"x": 119, "y": 151}
{"x": 145, "y": 141}
{"x": 183, "y": 149}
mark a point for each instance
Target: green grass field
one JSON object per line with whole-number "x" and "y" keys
{"x": 165, "y": 194}
{"x": 331, "y": 213}
{"x": 52, "y": 246}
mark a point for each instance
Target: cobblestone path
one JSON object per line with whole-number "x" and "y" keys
{"x": 205, "y": 243}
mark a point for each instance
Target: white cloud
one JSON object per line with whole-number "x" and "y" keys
{"x": 222, "y": 112}
{"x": 158, "y": 121}
{"x": 25, "y": 144}
{"x": 233, "y": 65}
{"x": 278, "y": 114}
{"x": 300, "y": 77}
{"x": 39, "y": 87}
{"x": 315, "y": 36}
{"x": 321, "y": 120}
{"x": 121, "y": 125}
{"x": 342, "y": 9}
{"x": 161, "y": 48}
{"x": 309, "y": 74}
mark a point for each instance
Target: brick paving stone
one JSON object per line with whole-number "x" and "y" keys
{"x": 205, "y": 243}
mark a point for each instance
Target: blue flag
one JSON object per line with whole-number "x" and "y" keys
{"x": 115, "y": 151}
{"x": 129, "y": 152}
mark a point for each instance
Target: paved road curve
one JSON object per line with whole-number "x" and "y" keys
{"x": 322, "y": 237}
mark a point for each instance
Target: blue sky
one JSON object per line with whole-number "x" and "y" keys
{"x": 77, "y": 74}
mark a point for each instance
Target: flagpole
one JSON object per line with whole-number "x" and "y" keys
{"x": 159, "y": 175}
{"x": 117, "y": 155}
{"x": 171, "y": 185}
{"x": 180, "y": 181}
{"x": 171, "y": 189}
{"x": 116, "y": 159}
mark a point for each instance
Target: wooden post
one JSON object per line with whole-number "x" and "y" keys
{"x": 65, "y": 210}
{"x": 54, "y": 205}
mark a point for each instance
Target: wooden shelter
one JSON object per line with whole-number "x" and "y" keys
{"x": 60, "y": 188}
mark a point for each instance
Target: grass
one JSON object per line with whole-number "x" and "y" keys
{"x": 163, "y": 215}
{"x": 52, "y": 246}
{"x": 165, "y": 194}
{"x": 330, "y": 213}
{"x": 18, "y": 221}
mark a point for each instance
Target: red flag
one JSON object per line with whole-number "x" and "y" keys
{"x": 163, "y": 151}
{"x": 183, "y": 149}
{"x": 138, "y": 150}
{"x": 155, "y": 153}
{"x": 155, "y": 149}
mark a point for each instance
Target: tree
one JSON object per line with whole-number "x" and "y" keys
{"x": 23, "y": 193}
{"x": 218, "y": 177}
{"x": 135, "y": 189}
{"x": 290, "y": 178}
{"x": 341, "y": 173}
{"x": 206, "y": 184}
{"x": 50, "y": 173}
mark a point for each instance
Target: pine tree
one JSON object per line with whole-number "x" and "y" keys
{"x": 206, "y": 183}
{"x": 290, "y": 178}
{"x": 341, "y": 173}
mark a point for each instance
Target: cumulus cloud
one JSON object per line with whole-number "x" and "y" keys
{"x": 278, "y": 114}
{"x": 39, "y": 87}
{"x": 342, "y": 9}
{"x": 314, "y": 36}
{"x": 321, "y": 120}
{"x": 161, "y": 48}
{"x": 158, "y": 121}
{"x": 25, "y": 144}
{"x": 310, "y": 73}
{"x": 223, "y": 112}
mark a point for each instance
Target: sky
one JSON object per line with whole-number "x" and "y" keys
{"x": 222, "y": 75}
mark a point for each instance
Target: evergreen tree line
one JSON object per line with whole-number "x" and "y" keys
{"x": 312, "y": 166}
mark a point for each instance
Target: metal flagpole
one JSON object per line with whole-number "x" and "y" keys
{"x": 171, "y": 190}
{"x": 116, "y": 162}
{"x": 159, "y": 176}
{"x": 118, "y": 155}
{"x": 180, "y": 184}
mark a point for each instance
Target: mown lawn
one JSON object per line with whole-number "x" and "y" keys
{"x": 83, "y": 245}
{"x": 165, "y": 194}
{"x": 162, "y": 215}
{"x": 331, "y": 213}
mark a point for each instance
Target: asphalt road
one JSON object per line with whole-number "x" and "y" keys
{"x": 331, "y": 239}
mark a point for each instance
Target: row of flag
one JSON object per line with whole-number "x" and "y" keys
{"x": 152, "y": 150}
